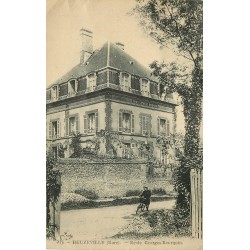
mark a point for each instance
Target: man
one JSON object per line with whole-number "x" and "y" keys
{"x": 146, "y": 194}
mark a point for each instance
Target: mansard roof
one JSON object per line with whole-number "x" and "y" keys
{"x": 109, "y": 55}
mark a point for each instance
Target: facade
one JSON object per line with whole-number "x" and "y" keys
{"x": 108, "y": 91}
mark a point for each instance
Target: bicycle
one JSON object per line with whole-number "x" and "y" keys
{"x": 141, "y": 207}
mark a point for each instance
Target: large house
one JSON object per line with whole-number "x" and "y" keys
{"x": 108, "y": 91}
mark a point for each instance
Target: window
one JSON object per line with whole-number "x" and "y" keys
{"x": 54, "y": 129}
{"x": 72, "y": 87}
{"x": 125, "y": 81}
{"x": 126, "y": 122}
{"x": 144, "y": 87}
{"x": 72, "y": 125}
{"x": 145, "y": 124}
{"x": 54, "y": 93}
{"x": 163, "y": 127}
{"x": 126, "y": 153}
{"x": 91, "y": 122}
{"x": 91, "y": 82}
{"x": 48, "y": 94}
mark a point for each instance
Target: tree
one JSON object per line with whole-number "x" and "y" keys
{"x": 177, "y": 24}
{"x": 53, "y": 189}
{"x": 76, "y": 145}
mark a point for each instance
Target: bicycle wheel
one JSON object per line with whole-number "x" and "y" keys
{"x": 143, "y": 207}
{"x": 138, "y": 208}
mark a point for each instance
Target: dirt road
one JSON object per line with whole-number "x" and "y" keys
{"x": 101, "y": 223}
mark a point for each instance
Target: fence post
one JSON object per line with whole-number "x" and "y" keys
{"x": 196, "y": 202}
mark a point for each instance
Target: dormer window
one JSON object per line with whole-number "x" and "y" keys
{"x": 125, "y": 81}
{"x": 144, "y": 87}
{"x": 72, "y": 87}
{"x": 91, "y": 82}
{"x": 54, "y": 93}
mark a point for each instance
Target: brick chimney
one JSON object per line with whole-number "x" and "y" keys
{"x": 87, "y": 45}
{"x": 120, "y": 45}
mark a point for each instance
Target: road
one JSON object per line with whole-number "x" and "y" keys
{"x": 100, "y": 223}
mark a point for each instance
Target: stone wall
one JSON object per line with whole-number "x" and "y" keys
{"x": 107, "y": 179}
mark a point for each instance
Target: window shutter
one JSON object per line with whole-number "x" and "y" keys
{"x": 147, "y": 125}
{"x": 141, "y": 124}
{"x": 120, "y": 122}
{"x": 96, "y": 121}
{"x": 158, "y": 126}
{"x": 50, "y": 130}
{"x": 88, "y": 124}
{"x": 132, "y": 123}
{"x": 77, "y": 123}
{"x": 67, "y": 126}
{"x": 58, "y": 129}
{"x": 85, "y": 129}
{"x": 168, "y": 129}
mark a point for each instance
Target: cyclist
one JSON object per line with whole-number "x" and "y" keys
{"x": 145, "y": 197}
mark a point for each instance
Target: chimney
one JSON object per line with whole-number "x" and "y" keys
{"x": 120, "y": 45}
{"x": 87, "y": 45}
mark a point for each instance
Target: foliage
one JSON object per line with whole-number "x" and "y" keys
{"x": 172, "y": 144}
{"x": 53, "y": 189}
{"x": 89, "y": 194}
{"x": 159, "y": 191}
{"x": 168, "y": 222}
{"x": 76, "y": 145}
{"x": 148, "y": 150}
{"x": 61, "y": 151}
{"x": 177, "y": 24}
{"x": 133, "y": 193}
{"x": 113, "y": 142}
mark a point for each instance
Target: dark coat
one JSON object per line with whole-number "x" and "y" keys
{"x": 146, "y": 194}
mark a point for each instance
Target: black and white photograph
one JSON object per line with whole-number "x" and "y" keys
{"x": 124, "y": 136}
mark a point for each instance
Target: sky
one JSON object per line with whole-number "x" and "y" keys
{"x": 109, "y": 21}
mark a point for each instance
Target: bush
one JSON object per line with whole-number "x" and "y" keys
{"x": 160, "y": 191}
{"x": 89, "y": 194}
{"x": 133, "y": 193}
{"x": 169, "y": 222}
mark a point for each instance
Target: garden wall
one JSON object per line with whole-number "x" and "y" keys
{"x": 107, "y": 179}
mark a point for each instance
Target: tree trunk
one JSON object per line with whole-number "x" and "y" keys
{"x": 192, "y": 113}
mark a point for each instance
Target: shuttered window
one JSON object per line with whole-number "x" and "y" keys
{"x": 145, "y": 124}
{"x": 126, "y": 122}
{"x": 163, "y": 127}
{"x": 54, "y": 129}
{"x": 90, "y": 122}
{"x": 125, "y": 81}
{"x": 72, "y": 125}
{"x": 91, "y": 82}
